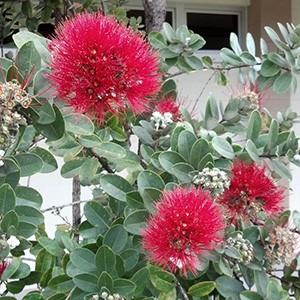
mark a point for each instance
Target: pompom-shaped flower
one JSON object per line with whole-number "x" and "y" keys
{"x": 100, "y": 65}
{"x": 168, "y": 105}
{"x": 250, "y": 192}
{"x": 186, "y": 223}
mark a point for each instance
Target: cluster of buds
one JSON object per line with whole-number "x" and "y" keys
{"x": 281, "y": 246}
{"x": 213, "y": 179}
{"x": 250, "y": 100}
{"x": 161, "y": 120}
{"x": 244, "y": 247}
{"x": 106, "y": 296}
{"x": 12, "y": 94}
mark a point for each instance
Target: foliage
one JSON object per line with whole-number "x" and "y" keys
{"x": 108, "y": 257}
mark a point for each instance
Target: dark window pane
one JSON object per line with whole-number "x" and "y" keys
{"x": 214, "y": 28}
{"x": 140, "y": 13}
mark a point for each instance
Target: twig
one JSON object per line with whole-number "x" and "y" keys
{"x": 103, "y": 161}
{"x": 202, "y": 91}
{"x": 76, "y": 212}
{"x": 55, "y": 208}
{"x": 182, "y": 291}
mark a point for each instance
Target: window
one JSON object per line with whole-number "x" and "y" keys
{"x": 214, "y": 28}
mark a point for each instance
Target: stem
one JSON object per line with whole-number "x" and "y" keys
{"x": 76, "y": 211}
{"x": 182, "y": 291}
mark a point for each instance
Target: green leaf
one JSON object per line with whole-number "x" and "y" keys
{"x": 116, "y": 238}
{"x": 9, "y": 172}
{"x": 261, "y": 282}
{"x": 144, "y": 136}
{"x": 26, "y": 229}
{"x": 40, "y": 43}
{"x": 29, "y": 215}
{"x": 97, "y": 215}
{"x": 29, "y": 163}
{"x": 169, "y": 32}
{"x": 86, "y": 282}
{"x": 181, "y": 171}
{"x": 136, "y": 221}
{"x": 54, "y": 130}
{"x": 269, "y": 69}
{"x": 230, "y": 57}
{"x": 110, "y": 151}
{"x": 105, "y": 280}
{"x": 168, "y": 159}
{"x": 250, "y": 43}
{"x": 166, "y": 52}
{"x": 88, "y": 170}
{"x": 202, "y": 288}
{"x": 27, "y": 196}
{"x": 150, "y": 197}
{"x": 61, "y": 284}
{"x": 254, "y": 126}
{"x": 123, "y": 286}
{"x": 194, "y": 62}
{"x": 72, "y": 167}
{"x": 223, "y": 147}
{"x": 277, "y": 59}
{"x": 140, "y": 279}
{"x": 248, "y": 58}
{"x": 229, "y": 287}
{"x": 89, "y": 141}
{"x": 10, "y": 222}
{"x": 250, "y": 295}
{"x": 134, "y": 200}
{"x": 115, "y": 186}
{"x": 234, "y": 43}
{"x": 26, "y": 136}
{"x": 252, "y": 150}
{"x": 43, "y": 111}
{"x": 51, "y": 246}
{"x": 272, "y": 135}
{"x": 29, "y": 58}
{"x": 162, "y": 280}
{"x": 186, "y": 138}
{"x": 199, "y": 150}
{"x": 157, "y": 40}
{"x": 211, "y": 109}
{"x": 83, "y": 259}
{"x": 296, "y": 219}
{"x": 281, "y": 169}
{"x": 49, "y": 162}
{"x": 79, "y": 124}
{"x": 149, "y": 179}
{"x": 130, "y": 258}
{"x": 11, "y": 268}
{"x": 283, "y": 82}
{"x": 105, "y": 260}
{"x": 7, "y": 199}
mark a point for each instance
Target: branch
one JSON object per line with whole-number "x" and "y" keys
{"x": 103, "y": 161}
{"x": 182, "y": 291}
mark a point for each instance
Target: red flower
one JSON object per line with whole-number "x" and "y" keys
{"x": 186, "y": 223}
{"x": 100, "y": 65}
{"x": 251, "y": 191}
{"x": 3, "y": 266}
{"x": 168, "y": 105}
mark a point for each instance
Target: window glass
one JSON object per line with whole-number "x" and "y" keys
{"x": 214, "y": 28}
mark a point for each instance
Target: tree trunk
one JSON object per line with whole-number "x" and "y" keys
{"x": 155, "y": 13}
{"x": 76, "y": 213}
